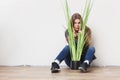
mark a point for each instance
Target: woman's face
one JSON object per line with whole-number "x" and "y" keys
{"x": 76, "y": 25}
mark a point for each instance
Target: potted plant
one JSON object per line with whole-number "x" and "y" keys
{"x": 76, "y": 51}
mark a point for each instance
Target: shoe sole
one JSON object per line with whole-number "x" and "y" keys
{"x": 82, "y": 69}
{"x": 55, "y": 71}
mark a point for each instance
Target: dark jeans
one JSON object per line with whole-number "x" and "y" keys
{"x": 65, "y": 55}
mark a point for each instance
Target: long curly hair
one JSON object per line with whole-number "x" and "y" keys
{"x": 87, "y": 30}
{"x": 88, "y": 36}
{"x": 74, "y": 17}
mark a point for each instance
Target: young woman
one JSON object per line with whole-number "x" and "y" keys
{"x": 88, "y": 51}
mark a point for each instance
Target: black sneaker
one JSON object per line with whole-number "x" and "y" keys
{"x": 83, "y": 67}
{"x": 55, "y": 67}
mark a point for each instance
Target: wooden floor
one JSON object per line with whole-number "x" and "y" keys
{"x": 44, "y": 73}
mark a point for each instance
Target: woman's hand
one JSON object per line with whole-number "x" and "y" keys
{"x": 76, "y": 33}
{"x": 80, "y": 31}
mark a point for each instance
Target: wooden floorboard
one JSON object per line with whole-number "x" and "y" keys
{"x": 44, "y": 73}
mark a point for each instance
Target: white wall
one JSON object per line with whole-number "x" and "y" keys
{"x": 32, "y": 32}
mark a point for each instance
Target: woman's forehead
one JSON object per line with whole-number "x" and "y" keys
{"x": 77, "y": 20}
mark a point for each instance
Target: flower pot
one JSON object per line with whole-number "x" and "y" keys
{"x": 74, "y": 65}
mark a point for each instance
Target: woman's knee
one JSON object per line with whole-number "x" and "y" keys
{"x": 66, "y": 47}
{"x": 92, "y": 49}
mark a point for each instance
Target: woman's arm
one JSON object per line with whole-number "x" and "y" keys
{"x": 66, "y": 35}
